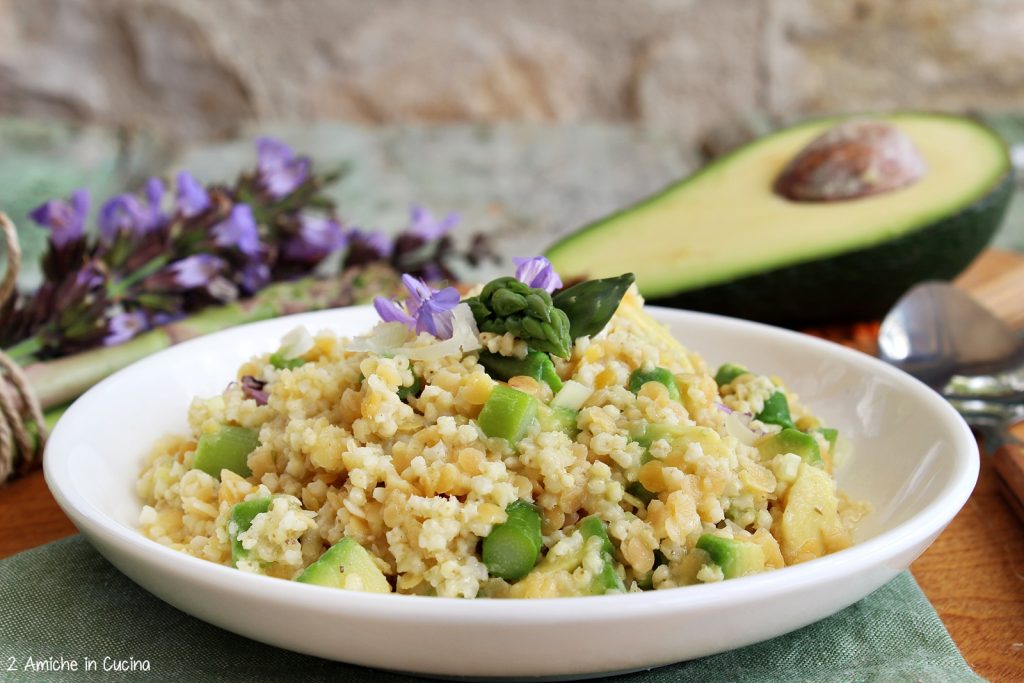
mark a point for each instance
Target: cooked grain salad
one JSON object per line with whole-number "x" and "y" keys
{"x": 512, "y": 444}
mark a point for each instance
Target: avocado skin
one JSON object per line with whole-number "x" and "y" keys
{"x": 857, "y": 285}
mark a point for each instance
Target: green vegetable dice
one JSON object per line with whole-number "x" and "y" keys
{"x": 282, "y": 363}
{"x": 728, "y": 372}
{"x": 512, "y": 548}
{"x": 226, "y": 449}
{"x": 535, "y": 364}
{"x": 736, "y": 558}
{"x": 507, "y": 414}
{"x": 776, "y": 411}
{"x": 240, "y": 520}
{"x": 638, "y": 378}
{"x": 791, "y": 441}
{"x": 347, "y": 565}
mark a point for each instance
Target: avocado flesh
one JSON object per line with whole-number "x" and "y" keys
{"x": 736, "y": 558}
{"x": 791, "y": 441}
{"x": 348, "y": 565}
{"x": 722, "y": 240}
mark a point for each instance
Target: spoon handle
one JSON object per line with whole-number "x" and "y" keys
{"x": 1008, "y": 460}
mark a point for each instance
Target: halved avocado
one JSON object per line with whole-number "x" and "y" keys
{"x": 723, "y": 240}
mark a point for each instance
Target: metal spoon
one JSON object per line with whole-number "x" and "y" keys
{"x": 940, "y": 335}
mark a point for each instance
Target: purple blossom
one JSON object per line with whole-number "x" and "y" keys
{"x": 239, "y": 231}
{"x": 196, "y": 271}
{"x": 126, "y": 213}
{"x": 280, "y": 171}
{"x": 317, "y": 238}
{"x": 255, "y": 276}
{"x": 425, "y": 309}
{"x": 424, "y": 226}
{"x": 537, "y": 272}
{"x": 191, "y": 198}
{"x": 373, "y": 244}
{"x": 123, "y": 326}
{"x": 65, "y": 220}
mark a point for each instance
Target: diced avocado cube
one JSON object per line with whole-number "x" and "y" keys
{"x": 282, "y": 363}
{"x": 830, "y": 435}
{"x": 791, "y": 441}
{"x": 728, "y": 372}
{"x": 736, "y": 558}
{"x": 593, "y": 526}
{"x": 414, "y": 390}
{"x": 776, "y": 411}
{"x": 555, "y": 419}
{"x": 607, "y": 579}
{"x": 513, "y": 547}
{"x": 239, "y": 522}
{"x": 535, "y": 364}
{"x": 639, "y": 377}
{"x": 507, "y": 414}
{"x": 347, "y": 565}
{"x": 637, "y": 490}
{"x": 226, "y": 449}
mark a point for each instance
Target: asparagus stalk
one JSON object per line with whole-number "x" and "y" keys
{"x": 59, "y": 381}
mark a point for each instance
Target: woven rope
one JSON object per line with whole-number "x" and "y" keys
{"x": 18, "y": 405}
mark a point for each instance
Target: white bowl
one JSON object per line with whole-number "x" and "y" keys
{"x": 914, "y": 460}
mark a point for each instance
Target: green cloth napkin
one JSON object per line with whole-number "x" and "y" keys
{"x": 65, "y": 600}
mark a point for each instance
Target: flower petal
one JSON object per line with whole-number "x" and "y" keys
{"x": 537, "y": 272}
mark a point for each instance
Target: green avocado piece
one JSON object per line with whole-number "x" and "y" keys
{"x": 348, "y": 565}
{"x": 607, "y": 579}
{"x": 728, "y": 372}
{"x": 736, "y": 558}
{"x": 240, "y": 520}
{"x": 638, "y": 378}
{"x": 414, "y": 390}
{"x": 558, "y": 419}
{"x": 226, "y": 449}
{"x": 830, "y": 435}
{"x": 803, "y": 262}
{"x": 791, "y": 441}
{"x": 776, "y": 411}
{"x": 535, "y": 364}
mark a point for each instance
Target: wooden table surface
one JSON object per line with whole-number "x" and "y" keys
{"x": 973, "y": 573}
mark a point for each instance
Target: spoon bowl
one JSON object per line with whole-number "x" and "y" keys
{"x": 942, "y": 336}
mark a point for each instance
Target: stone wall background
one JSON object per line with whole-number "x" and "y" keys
{"x": 199, "y": 69}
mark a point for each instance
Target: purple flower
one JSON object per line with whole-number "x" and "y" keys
{"x": 424, "y": 226}
{"x": 123, "y": 326}
{"x": 255, "y": 276}
{"x": 64, "y": 220}
{"x": 537, "y": 272}
{"x": 191, "y": 198}
{"x": 239, "y": 231}
{"x": 126, "y": 213}
{"x": 425, "y": 309}
{"x": 372, "y": 244}
{"x": 280, "y": 171}
{"x": 317, "y": 238}
{"x": 196, "y": 271}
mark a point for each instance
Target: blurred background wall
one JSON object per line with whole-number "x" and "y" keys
{"x": 199, "y": 69}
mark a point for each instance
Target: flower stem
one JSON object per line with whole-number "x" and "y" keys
{"x": 117, "y": 289}
{"x": 23, "y": 351}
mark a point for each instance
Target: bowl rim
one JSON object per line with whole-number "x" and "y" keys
{"x": 919, "y": 528}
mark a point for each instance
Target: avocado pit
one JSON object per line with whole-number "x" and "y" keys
{"x": 851, "y": 160}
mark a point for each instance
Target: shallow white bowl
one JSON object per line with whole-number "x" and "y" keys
{"x": 914, "y": 460}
